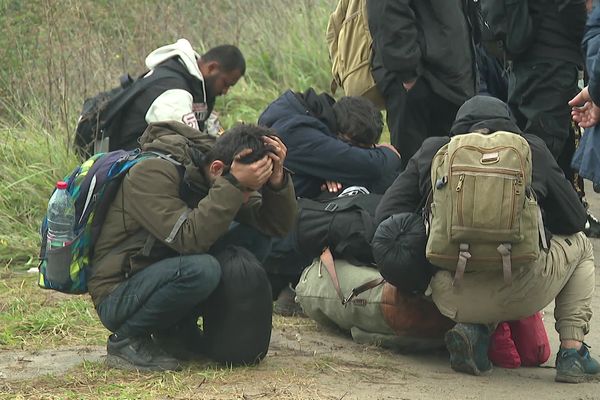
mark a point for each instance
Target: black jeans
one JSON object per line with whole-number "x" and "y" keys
{"x": 285, "y": 263}
{"x": 173, "y": 289}
{"x": 415, "y": 115}
{"x": 538, "y": 96}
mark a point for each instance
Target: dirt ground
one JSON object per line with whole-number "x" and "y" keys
{"x": 351, "y": 371}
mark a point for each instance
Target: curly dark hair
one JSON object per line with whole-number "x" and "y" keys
{"x": 238, "y": 138}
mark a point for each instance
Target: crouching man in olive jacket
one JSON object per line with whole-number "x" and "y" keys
{"x": 153, "y": 264}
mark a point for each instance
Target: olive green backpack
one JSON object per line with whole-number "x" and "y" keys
{"x": 482, "y": 212}
{"x": 350, "y": 50}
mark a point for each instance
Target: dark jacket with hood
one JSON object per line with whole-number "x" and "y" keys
{"x": 563, "y": 211}
{"x": 306, "y": 124}
{"x": 150, "y": 208}
{"x": 425, "y": 39}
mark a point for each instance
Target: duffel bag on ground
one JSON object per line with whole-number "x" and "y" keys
{"x": 374, "y": 312}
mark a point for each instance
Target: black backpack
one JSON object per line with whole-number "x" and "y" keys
{"x": 238, "y": 317}
{"x": 101, "y": 115}
{"x": 98, "y": 114}
{"x": 343, "y": 224}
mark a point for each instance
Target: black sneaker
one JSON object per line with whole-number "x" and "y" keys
{"x": 286, "y": 305}
{"x": 138, "y": 353}
{"x": 468, "y": 347}
{"x": 184, "y": 341}
{"x": 576, "y": 366}
{"x": 592, "y": 227}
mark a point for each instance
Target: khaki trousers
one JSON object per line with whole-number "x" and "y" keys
{"x": 565, "y": 274}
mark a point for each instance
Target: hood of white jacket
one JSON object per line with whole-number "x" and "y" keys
{"x": 182, "y": 49}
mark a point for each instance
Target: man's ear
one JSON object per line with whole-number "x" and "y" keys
{"x": 209, "y": 68}
{"x": 216, "y": 168}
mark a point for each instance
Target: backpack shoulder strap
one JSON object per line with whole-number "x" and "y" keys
{"x": 130, "y": 91}
{"x": 164, "y": 156}
{"x": 327, "y": 259}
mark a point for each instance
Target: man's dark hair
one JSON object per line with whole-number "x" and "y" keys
{"x": 238, "y": 138}
{"x": 229, "y": 57}
{"x": 359, "y": 120}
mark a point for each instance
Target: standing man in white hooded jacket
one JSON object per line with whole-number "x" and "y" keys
{"x": 184, "y": 89}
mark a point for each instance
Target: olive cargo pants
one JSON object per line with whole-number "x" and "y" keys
{"x": 565, "y": 274}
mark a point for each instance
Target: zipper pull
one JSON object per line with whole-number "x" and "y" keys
{"x": 517, "y": 185}
{"x": 461, "y": 179}
{"x": 520, "y": 179}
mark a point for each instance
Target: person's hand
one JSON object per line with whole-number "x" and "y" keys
{"x": 389, "y": 146}
{"x": 409, "y": 85}
{"x": 252, "y": 176}
{"x": 331, "y": 187}
{"x": 584, "y": 111}
{"x": 278, "y": 154}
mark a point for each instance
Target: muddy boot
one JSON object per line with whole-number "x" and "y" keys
{"x": 286, "y": 305}
{"x": 138, "y": 353}
{"x": 468, "y": 347}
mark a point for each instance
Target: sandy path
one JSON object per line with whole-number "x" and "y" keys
{"x": 338, "y": 368}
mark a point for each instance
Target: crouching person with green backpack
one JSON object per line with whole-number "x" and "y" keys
{"x": 168, "y": 249}
{"x": 504, "y": 234}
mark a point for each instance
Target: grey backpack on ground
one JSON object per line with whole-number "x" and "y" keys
{"x": 356, "y": 299}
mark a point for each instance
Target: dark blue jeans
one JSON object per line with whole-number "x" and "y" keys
{"x": 173, "y": 289}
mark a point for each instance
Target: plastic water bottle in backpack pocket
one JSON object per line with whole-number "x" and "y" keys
{"x": 60, "y": 222}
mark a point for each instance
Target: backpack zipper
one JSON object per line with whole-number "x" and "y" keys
{"x": 516, "y": 176}
{"x": 481, "y": 150}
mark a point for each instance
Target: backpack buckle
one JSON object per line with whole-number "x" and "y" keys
{"x": 331, "y": 207}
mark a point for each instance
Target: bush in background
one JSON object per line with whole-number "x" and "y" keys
{"x": 54, "y": 53}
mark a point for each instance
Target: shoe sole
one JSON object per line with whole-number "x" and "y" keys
{"x": 566, "y": 378}
{"x": 461, "y": 353}
{"x": 114, "y": 361}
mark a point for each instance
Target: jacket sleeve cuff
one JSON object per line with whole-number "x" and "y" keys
{"x": 233, "y": 180}
{"x": 594, "y": 91}
{"x": 286, "y": 181}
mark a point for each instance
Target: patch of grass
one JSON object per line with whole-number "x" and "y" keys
{"x": 32, "y": 159}
{"x": 33, "y": 318}
{"x": 92, "y": 380}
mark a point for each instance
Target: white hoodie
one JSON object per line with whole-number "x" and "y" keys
{"x": 183, "y": 49}
{"x": 177, "y": 104}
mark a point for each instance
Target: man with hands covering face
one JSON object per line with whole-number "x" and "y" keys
{"x": 154, "y": 263}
